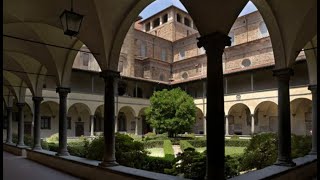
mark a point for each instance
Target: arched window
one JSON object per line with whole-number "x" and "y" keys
{"x": 263, "y": 30}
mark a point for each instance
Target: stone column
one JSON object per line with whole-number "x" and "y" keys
{"x": 116, "y": 123}
{"x": 9, "y": 125}
{"x": 63, "y": 123}
{"x": 252, "y": 124}
{"x": 313, "y": 89}
{"x": 284, "y": 126}
{"x": 214, "y": 45}
{"x": 227, "y": 125}
{"x": 36, "y": 127}
{"x": 136, "y": 129}
{"x": 205, "y": 125}
{"x": 20, "y": 125}
{"x": 110, "y": 80}
{"x": 92, "y": 125}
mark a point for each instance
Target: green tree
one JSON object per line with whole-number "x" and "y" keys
{"x": 171, "y": 111}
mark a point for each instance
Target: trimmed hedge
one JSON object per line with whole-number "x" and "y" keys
{"x": 198, "y": 143}
{"x": 168, "y": 150}
{"x": 153, "y": 144}
{"x": 237, "y": 142}
{"x": 184, "y": 144}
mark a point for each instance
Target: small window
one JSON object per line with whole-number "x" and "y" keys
{"x": 161, "y": 78}
{"x": 148, "y": 27}
{"x": 187, "y": 22}
{"x": 156, "y": 22}
{"x": 185, "y": 75}
{"x": 45, "y": 122}
{"x": 163, "y": 55}
{"x": 69, "y": 122}
{"x": 85, "y": 59}
{"x": 178, "y": 18}
{"x": 165, "y": 18}
{"x": 263, "y": 30}
{"x": 143, "y": 49}
{"x": 246, "y": 63}
{"x": 231, "y": 35}
{"x": 181, "y": 54}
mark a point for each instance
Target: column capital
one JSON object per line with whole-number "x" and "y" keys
{"x": 214, "y": 40}
{"x": 20, "y": 104}
{"x": 37, "y": 99}
{"x": 312, "y": 87}
{"x": 109, "y": 73}
{"x": 9, "y": 108}
{"x": 226, "y": 116}
{"x": 63, "y": 90}
{"x": 283, "y": 73}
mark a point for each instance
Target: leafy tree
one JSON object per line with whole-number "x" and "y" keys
{"x": 171, "y": 111}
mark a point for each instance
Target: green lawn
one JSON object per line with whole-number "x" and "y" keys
{"x": 156, "y": 152}
{"x": 228, "y": 150}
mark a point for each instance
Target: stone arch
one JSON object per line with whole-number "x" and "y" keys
{"x": 78, "y": 120}
{"x": 126, "y": 120}
{"x": 49, "y": 110}
{"x": 98, "y": 119}
{"x": 266, "y": 117}
{"x": 198, "y": 127}
{"x": 239, "y": 118}
{"x": 301, "y": 116}
{"x": 145, "y": 126}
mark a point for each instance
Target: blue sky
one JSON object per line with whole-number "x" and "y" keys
{"x": 159, "y": 5}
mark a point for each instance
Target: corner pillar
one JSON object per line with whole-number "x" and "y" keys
{"x": 36, "y": 127}
{"x": 214, "y": 45}
{"x": 284, "y": 126}
{"x": 63, "y": 123}
{"x": 9, "y": 125}
{"x": 313, "y": 89}
{"x": 20, "y": 125}
{"x": 110, "y": 79}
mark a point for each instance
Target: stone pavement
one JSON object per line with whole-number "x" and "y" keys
{"x": 18, "y": 167}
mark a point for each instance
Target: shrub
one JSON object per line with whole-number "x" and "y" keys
{"x": 44, "y": 145}
{"x": 77, "y": 148}
{"x": 300, "y": 145}
{"x": 232, "y": 166}
{"x": 53, "y": 138}
{"x": 52, "y": 146}
{"x": 168, "y": 150}
{"x": 237, "y": 142}
{"x": 153, "y": 136}
{"x": 185, "y": 145}
{"x": 157, "y": 164}
{"x": 198, "y": 143}
{"x": 95, "y": 149}
{"x": 153, "y": 144}
{"x": 234, "y": 137}
{"x": 149, "y": 136}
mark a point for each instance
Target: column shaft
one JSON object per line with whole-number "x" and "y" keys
{"x": 9, "y": 125}
{"x": 20, "y": 125}
{"x": 313, "y": 89}
{"x": 110, "y": 80}
{"x": 252, "y": 124}
{"x": 92, "y": 125}
{"x": 136, "y": 128}
{"x": 214, "y": 45}
{"x": 227, "y": 125}
{"x": 36, "y": 127}
{"x": 284, "y": 131}
{"x": 63, "y": 123}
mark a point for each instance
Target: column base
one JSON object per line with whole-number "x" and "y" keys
{"x": 64, "y": 153}
{"x": 105, "y": 164}
{"x": 9, "y": 142}
{"x": 313, "y": 152}
{"x": 21, "y": 146}
{"x": 37, "y": 148}
{"x": 288, "y": 163}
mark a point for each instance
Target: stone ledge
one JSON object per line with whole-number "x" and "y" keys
{"x": 306, "y": 168}
{"x": 13, "y": 149}
{"x": 89, "y": 169}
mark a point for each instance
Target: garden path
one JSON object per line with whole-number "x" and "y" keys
{"x": 176, "y": 149}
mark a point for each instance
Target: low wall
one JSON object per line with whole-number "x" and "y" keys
{"x": 13, "y": 149}
{"x": 89, "y": 169}
{"x": 305, "y": 169}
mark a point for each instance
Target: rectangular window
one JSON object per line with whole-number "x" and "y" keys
{"x": 143, "y": 49}
{"x": 181, "y": 54}
{"x": 148, "y": 27}
{"x": 165, "y": 18}
{"x": 69, "y": 122}
{"x": 163, "y": 55}
{"x": 45, "y": 122}
{"x": 156, "y": 22}
{"x": 85, "y": 59}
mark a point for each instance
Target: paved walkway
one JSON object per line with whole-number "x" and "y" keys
{"x": 176, "y": 149}
{"x": 18, "y": 167}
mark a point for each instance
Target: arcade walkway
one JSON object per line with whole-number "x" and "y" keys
{"x": 18, "y": 167}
